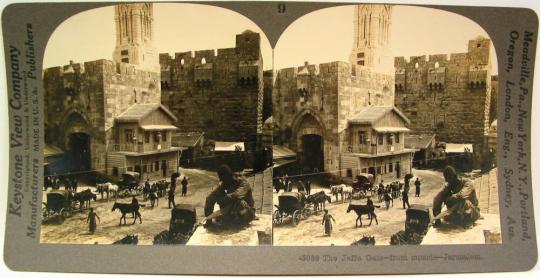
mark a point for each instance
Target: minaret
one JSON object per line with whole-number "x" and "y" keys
{"x": 371, "y": 48}
{"x": 134, "y": 36}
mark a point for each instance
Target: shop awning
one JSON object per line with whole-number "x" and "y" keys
{"x": 389, "y": 129}
{"x": 158, "y": 127}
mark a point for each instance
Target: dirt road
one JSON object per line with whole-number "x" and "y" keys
{"x": 154, "y": 220}
{"x": 311, "y": 232}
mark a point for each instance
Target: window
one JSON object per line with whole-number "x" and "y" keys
{"x": 362, "y": 137}
{"x": 416, "y": 65}
{"x": 397, "y": 137}
{"x": 436, "y": 65}
{"x": 390, "y": 138}
{"x": 157, "y": 135}
{"x": 164, "y": 136}
{"x": 361, "y": 63}
{"x": 129, "y": 135}
{"x": 125, "y": 60}
{"x": 124, "y": 52}
{"x": 115, "y": 171}
{"x": 203, "y": 61}
{"x": 379, "y": 170}
{"x": 349, "y": 172}
{"x": 156, "y": 165}
{"x": 360, "y": 55}
{"x": 390, "y": 167}
{"x": 381, "y": 139}
{"x": 182, "y": 62}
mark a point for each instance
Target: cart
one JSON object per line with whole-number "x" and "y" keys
{"x": 291, "y": 204}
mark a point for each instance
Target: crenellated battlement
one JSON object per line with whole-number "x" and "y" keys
{"x": 478, "y": 54}
{"x": 247, "y": 48}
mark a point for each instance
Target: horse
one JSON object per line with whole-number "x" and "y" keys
{"x": 103, "y": 188}
{"x": 337, "y": 190}
{"x": 361, "y": 210}
{"x": 162, "y": 188}
{"x": 153, "y": 197}
{"x": 84, "y": 198}
{"x": 365, "y": 240}
{"x": 317, "y": 199}
{"x": 347, "y": 191}
{"x": 300, "y": 187}
{"x": 126, "y": 208}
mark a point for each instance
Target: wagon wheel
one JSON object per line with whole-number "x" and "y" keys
{"x": 277, "y": 218}
{"x": 45, "y": 210}
{"x": 306, "y": 213}
{"x": 65, "y": 213}
{"x": 297, "y": 215}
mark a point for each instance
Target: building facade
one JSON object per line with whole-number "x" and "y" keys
{"x": 217, "y": 92}
{"x": 85, "y": 104}
{"x": 315, "y": 105}
{"x": 448, "y": 96}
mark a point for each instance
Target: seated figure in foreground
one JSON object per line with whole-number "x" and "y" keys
{"x": 235, "y": 199}
{"x": 459, "y": 197}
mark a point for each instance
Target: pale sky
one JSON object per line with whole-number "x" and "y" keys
{"x": 322, "y": 36}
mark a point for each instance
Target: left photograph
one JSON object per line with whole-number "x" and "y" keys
{"x": 158, "y": 128}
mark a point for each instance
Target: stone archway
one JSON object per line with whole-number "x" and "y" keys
{"x": 308, "y": 135}
{"x": 77, "y": 142}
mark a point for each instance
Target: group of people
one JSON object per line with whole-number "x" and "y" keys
{"x": 55, "y": 182}
{"x": 394, "y": 189}
{"x": 286, "y": 184}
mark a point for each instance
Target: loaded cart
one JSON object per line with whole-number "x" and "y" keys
{"x": 59, "y": 204}
{"x": 291, "y": 204}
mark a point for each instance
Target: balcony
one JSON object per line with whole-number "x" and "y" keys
{"x": 374, "y": 149}
{"x": 139, "y": 147}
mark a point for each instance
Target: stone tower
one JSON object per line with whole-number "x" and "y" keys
{"x": 134, "y": 36}
{"x": 371, "y": 42}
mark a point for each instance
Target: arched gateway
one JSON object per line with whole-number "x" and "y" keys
{"x": 308, "y": 132}
{"x": 77, "y": 142}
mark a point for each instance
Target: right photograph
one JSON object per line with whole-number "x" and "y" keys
{"x": 384, "y": 129}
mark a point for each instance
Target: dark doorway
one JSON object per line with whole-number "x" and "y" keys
{"x": 79, "y": 151}
{"x": 164, "y": 167}
{"x": 372, "y": 171}
{"x": 398, "y": 169}
{"x": 137, "y": 168}
{"x": 312, "y": 153}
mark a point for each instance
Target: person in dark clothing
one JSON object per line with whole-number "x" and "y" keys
{"x": 308, "y": 187}
{"x": 234, "y": 197}
{"x": 405, "y": 197}
{"x": 171, "y": 197}
{"x": 387, "y": 199}
{"x": 459, "y": 197}
{"x": 91, "y": 220}
{"x": 184, "y": 186}
{"x": 74, "y": 185}
{"x": 417, "y": 185}
{"x": 326, "y": 222}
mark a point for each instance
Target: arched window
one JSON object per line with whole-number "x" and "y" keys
{"x": 203, "y": 61}
{"x": 436, "y": 65}
{"x": 416, "y": 65}
{"x": 182, "y": 62}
